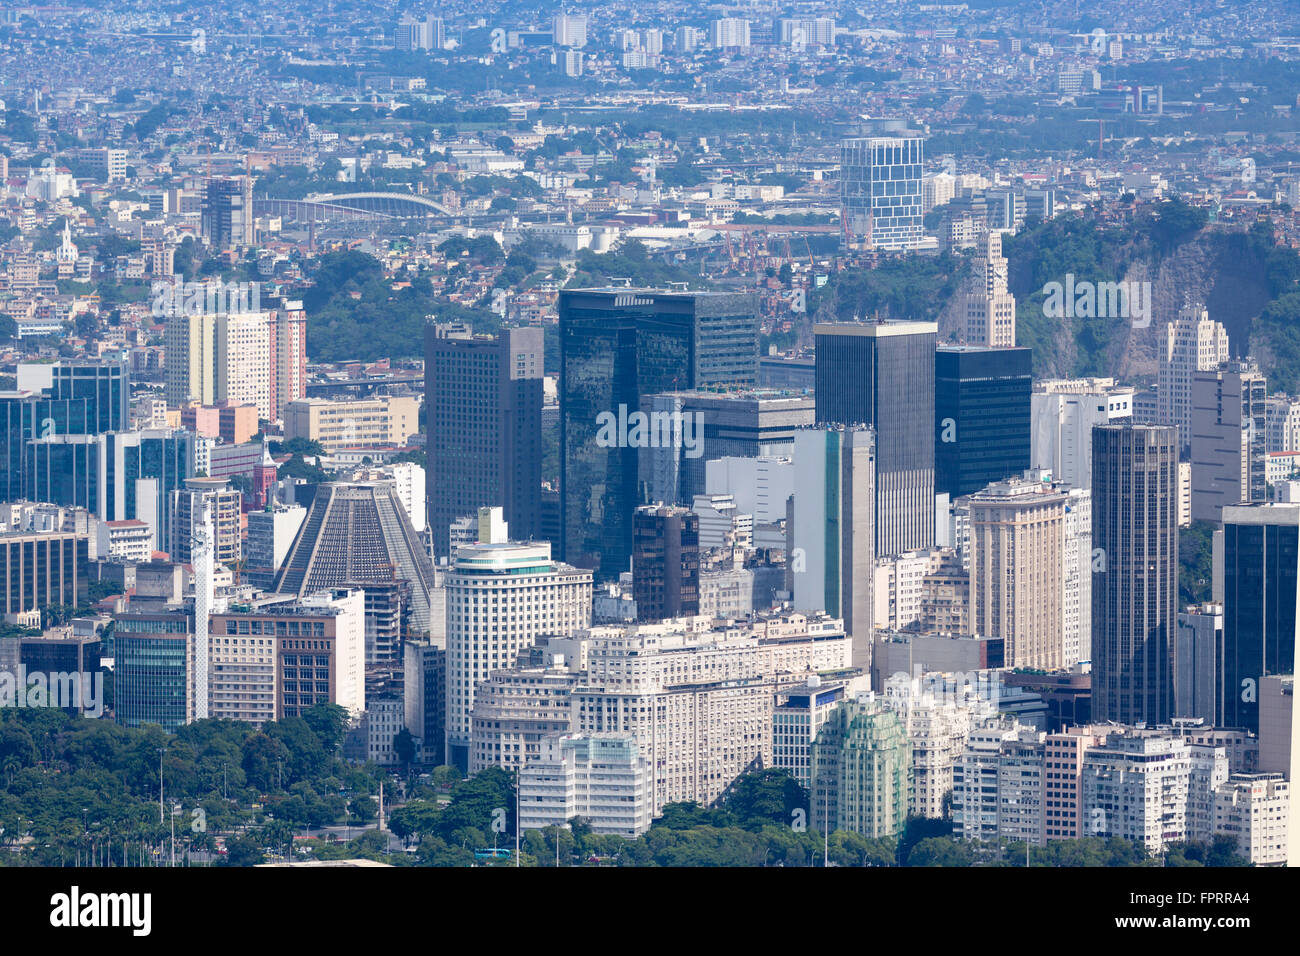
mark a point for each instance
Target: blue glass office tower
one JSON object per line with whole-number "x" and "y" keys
{"x": 981, "y": 416}
{"x": 1261, "y": 571}
{"x": 617, "y": 345}
{"x": 67, "y": 398}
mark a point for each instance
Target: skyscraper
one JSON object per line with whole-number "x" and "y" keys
{"x": 358, "y": 534}
{"x": 981, "y": 416}
{"x": 483, "y": 399}
{"x": 223, "y": 506}
{"x": 880, "y": 190}
{"x": 1229, "y": 435}
{"x": 501, "y": 597}
{"x": 1017, "y": 571}
{"x": 226, "y": 212}
{"x": 883, "y": 375}
{"x": 990, "y": 308}
{"x": 1193, "y": 343}
{"x": 861, "y": 762}
{"x": 831, "y": 529}
{"x": 1135, "y": 584}
{"x": 666, "y": 562}
{"x": 1261, "y": 588}
{"x": 616, "y": 346}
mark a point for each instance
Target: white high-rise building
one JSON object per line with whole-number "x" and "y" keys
{"x": 759, "y": 486}
{"x": 700, "y": 700}
{"x": 349, "y": 643}
{"x": 729, "y": 33}
{"x": 1252, "y": 808}
{"x": 1193, "y": 343}
{"x": 1283, "y": 423}
{"x": 501, "y": 597}
{"x": 1063, "y": 413}
{"x": 569, "y": 30}
{"x": 602, "y": 778}
{"x": 990, "y": 308}
{"x": 1078, "y": 576}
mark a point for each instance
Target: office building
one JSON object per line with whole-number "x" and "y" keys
{"x": 226, "y": 213}
{"x": 1135, "y": 591}
{"x": 1063, "y": 413}
{"x": 831, "y": 529}
{"x": 734, "y": 423}
{"x": 40, "y": 569}
{"x": 796, "y": 721}
{"x": 484, "y": 411}
{"x": 883, "y": 375}
{"x": 502, "y": 596}
{"x": 880, "y": 191}
{"x": 617, "y": 346}
{"x": 1261, "y": 587}
{"x": 990, "y": 310}
{"x": 1017, "y": 571}
{"x": 665, "y": 562}
{"x": 569, "y": 30}
{"x": 1198, "y": 684}
{"x": 383, "y": 422}
{"x": 153, "y": 669}
{"x": 1228, "y": 438}
{"x": 982, "y": 416}
{"x": 270, "y": 534}
{"x": 424, "y": 689}
{"x": 1193, "y": 343}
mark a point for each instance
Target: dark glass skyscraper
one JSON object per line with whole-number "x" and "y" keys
{"x": 616, "y": 346}
{"x": 883, "y": 375}
{"x": 981, "y": 416}
{"x": 1261, "y": 573}
{"x": 484, "y": 407}
{"x": 1135, "y": 572}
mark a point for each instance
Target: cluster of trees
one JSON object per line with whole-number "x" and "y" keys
{"x": 914, "y": 287}
{"x": 71, "y": 782}
{"x": 353, "y": 312}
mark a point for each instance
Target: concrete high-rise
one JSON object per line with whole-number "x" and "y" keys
{"x": 981, "y": 416}
{"x": 1135, "y": 586}
{"x": 831, "y": 529}
{"x": 1017, "y": 571}
{"x": 483, "y": 399}
{"x": 990, "y": 309}
{"x": 1063, "y": 414}
{"x": 666, "y": 562}
{"x": 1193, "y": 343}
{"x": 883, "y": 375}
{"x": 1228, "y": 438}
{"x": 226, "y": 213}
{"x": 861, "y": 763}
{"x": 223, "y": 505}
{"x": 617, "y": 346}
{"x": 501, "y": 597}
{"x": 1261, "y": 589}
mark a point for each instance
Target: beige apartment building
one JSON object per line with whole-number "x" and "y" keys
{"x": 364, "y": 423}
